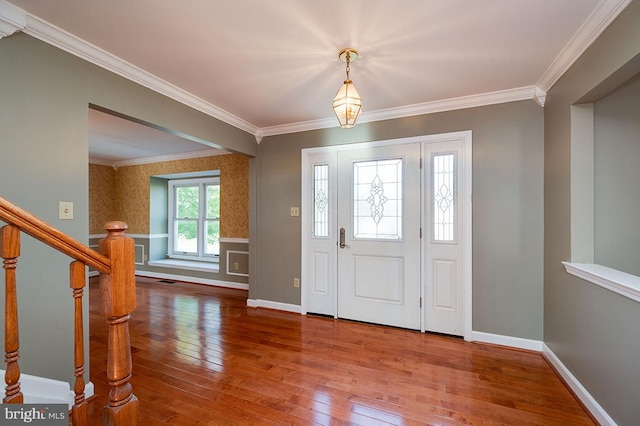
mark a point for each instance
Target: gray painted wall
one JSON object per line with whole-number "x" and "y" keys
{"x": 617, "y": 179}
{"x": 44, "y": 97}
{"x": 594, "y": 332}
{"x": 507, "y": 209}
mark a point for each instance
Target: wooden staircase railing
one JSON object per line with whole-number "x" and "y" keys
{"x": 114, "y": 261}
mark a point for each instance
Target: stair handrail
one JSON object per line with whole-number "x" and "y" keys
{"x": 114, "y": 261}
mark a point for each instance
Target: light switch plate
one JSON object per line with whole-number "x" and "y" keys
{"x": 65, "y": 210}
{"x": 295, "y": 211}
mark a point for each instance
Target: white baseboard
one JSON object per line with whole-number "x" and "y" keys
{"x": 589, "y": 402}
{"x": 40, "y": 390}
{"x": 498, "y": 339}
{"x": 258, "y": 303}
{"x": 227, "y": 284}
{"x": 585, "y": 397}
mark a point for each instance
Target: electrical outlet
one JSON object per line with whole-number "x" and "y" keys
{"x": 236, "y": 266}
{"x": 296, "y": 282}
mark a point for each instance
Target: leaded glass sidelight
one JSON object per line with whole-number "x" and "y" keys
{"x": 321, "y": 201}
{"x": 444, "y": 197}
{"x": 377, "y": 199}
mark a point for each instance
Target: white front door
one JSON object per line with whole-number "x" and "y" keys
{"x": 386, "y": 232}
{"x": 379, "y": 235}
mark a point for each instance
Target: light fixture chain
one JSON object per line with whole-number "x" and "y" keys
{"x": 348, "y": 67}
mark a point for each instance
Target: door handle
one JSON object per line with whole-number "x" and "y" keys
{"x": 342, "y": 244}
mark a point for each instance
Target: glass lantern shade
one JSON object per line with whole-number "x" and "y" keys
{"x": 347, "y": 105}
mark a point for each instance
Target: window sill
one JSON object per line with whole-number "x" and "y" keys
{"x": 624, "y": 284}
{"x": 188, "y": 265}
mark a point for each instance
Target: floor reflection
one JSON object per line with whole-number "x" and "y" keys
{"x": 201, "y": 356}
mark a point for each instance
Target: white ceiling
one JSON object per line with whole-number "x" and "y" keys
{"x": 271, "y": 67}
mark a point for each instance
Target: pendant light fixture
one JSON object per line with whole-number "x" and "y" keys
{"x": 347, "y": 104}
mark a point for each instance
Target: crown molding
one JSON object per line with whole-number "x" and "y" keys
{"x": 61, "y": 39}
{"x": 462, "y": 102}
{"x": 540, "y": 96}
{"x": 471, "y": 101}
{"x": 589, "y": 31}
{"x": 301, "y": 126}
{"x": 163, "y": 158}
{"x": 12, "y": 19}
{"x": 100, "y": 162}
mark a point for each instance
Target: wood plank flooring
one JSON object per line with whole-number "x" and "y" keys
{"x": 201, "y": 357}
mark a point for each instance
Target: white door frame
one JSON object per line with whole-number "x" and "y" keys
{"x": 466, "y": 226}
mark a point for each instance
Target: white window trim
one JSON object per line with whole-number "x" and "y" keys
{"x": 171, "y": 185}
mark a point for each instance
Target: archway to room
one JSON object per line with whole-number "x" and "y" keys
{"x": 131, "y": 166}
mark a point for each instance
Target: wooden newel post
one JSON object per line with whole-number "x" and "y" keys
{"x": 118, "y": 300}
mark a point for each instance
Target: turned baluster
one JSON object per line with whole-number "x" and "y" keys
{"x": 77, "y": 282}
{"x": 10, "y": 251}
{"x": 118, "y": 300}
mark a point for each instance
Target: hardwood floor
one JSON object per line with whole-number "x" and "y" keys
{"x": 201, "y": 357}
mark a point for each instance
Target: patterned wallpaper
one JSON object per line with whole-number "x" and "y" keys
{"x": 102, "y": 197}
{"x": 132, "y": 192}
